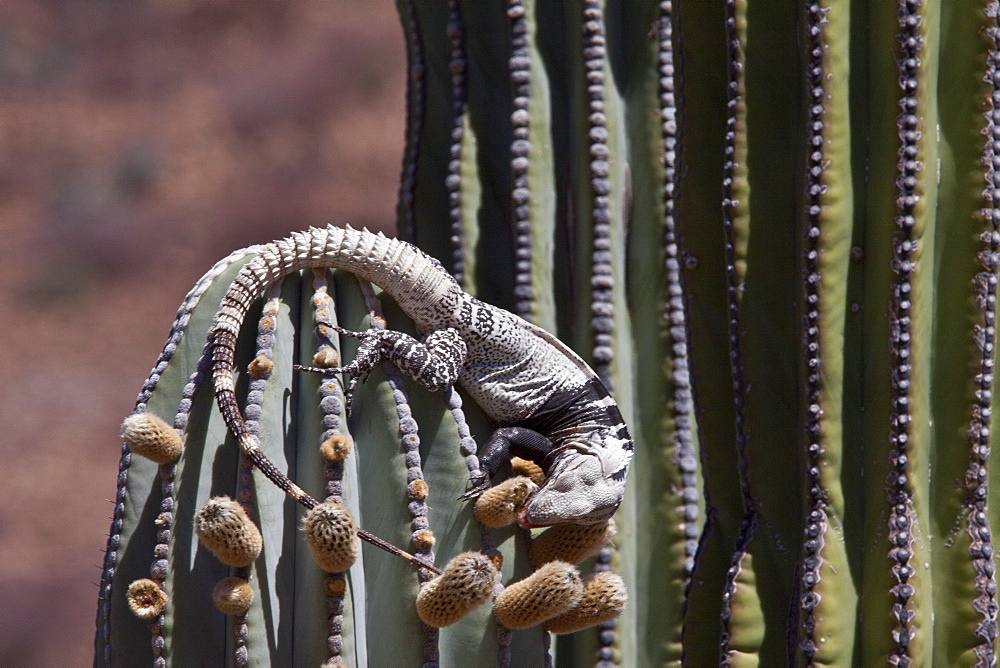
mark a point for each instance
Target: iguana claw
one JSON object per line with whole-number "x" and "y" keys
{"x": 361, "y": 368}
{"x": 481, "y": 483}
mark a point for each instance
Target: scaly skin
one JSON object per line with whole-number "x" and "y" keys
{"x": 550, "y": 405}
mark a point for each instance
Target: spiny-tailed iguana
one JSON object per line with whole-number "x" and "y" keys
{"x": 550, "y": 406}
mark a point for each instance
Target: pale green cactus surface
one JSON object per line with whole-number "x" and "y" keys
{"x": 771, "y": 227}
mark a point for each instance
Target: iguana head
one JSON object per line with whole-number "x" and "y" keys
{"x": 584, "y": 485}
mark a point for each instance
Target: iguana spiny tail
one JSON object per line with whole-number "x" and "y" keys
{"x": 550, "y": 405}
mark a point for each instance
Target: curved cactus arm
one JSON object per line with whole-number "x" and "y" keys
{"x": 287, "y": 621}
{"x": 118, "y": 631}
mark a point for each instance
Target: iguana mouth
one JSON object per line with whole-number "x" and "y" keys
{"x": 522, "y": 520}
{"x": 525, "y": 523}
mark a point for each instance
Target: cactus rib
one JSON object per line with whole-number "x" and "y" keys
{"x": 410, "y": 440}
{"x": 240, "y": 624}
{"x": 901, "y": 514}
{"x": 976, "y": 478}
{"x": 164, "y": 522}
{"x": 416, "y": 72}
{"x": 453, "y": 181}
{"x": 734, "y": 188}
{"x": 602, "y": 276}
{"x": 468, "y": 449}
{"x": 520, "y": 148}
{"x": 602, "y": 308}
{"x": 816, "y": 521}
{"x": 252, "y": 411}
{"x": 410, "y": 444}
{"x": 682, "y": 402}
{"x": 330, "y": 406}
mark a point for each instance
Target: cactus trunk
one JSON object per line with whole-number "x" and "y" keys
{"x": 771, "y": 228}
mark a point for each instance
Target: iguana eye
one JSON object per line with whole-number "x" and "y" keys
{"x": 565, "y": 483}
{"x": 590, "y": 476}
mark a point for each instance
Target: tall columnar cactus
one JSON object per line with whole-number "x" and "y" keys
{"x": 771, "y": 227}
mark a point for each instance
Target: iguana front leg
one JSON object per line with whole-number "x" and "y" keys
{"x": 434, "y": 362}
{"x": 505, "y": 443}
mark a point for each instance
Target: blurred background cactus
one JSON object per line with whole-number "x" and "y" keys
{"x": 771, "y": 229}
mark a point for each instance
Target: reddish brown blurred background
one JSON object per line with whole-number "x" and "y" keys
{"x": 140, "y": 142}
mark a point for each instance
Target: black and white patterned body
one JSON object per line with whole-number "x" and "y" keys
{"x": 550, "y": 405}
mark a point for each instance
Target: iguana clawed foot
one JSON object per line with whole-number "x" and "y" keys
{"x": 480, "y": 483}
{"x": 369, "y": 354}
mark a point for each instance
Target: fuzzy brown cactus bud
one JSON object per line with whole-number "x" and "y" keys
{"x": 604, "y": 598}
{"x": 226, "y": 529}
{"x": 528, "y": 469}
{"x": 332, "y": 537}
{"x": 146, "y": 599}
{"x": 418, "y": 490}
{"x": 336, "y": 448}
{"x": 423, "y": 539}
{"x": 466, "y": 583}
{"x": 335, "y": 663}
{"x": 260, "y": 366}
{"x": 550, "y": 591}
{"x": 571, "y": 543}
{"x": 326, "y": 358}
{"x": 335, "y": 585}
{"x": 149, "y": 436}
{"x": 498, "y": 506}
{"x": 232, "y": 595}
